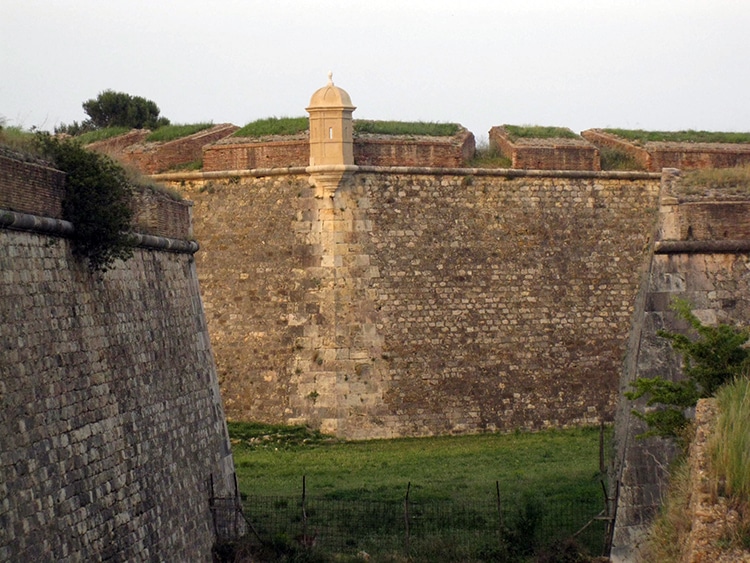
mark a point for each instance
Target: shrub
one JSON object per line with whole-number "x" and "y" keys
{"x": 97, "y": 202}
{"x": 613, "y": 159}
{"x": 714, "y": 358}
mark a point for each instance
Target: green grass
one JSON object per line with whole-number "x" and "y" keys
{"x": 177, "y": 131}
{"x": 101, "y": 134}
{"x": 413, "y": 128}
{"x": 274, "y": 126}
{"x": 539, "y": 132}
{"x": 487, "y": 155}
{"x": 731, "y": 440}
{"x": 612, "y": 159}
{"x": 19, "y": 140}
{"x": 556, "y": 464}
{"x": 548, "y": 481}
{"x": 689, "y": 136}
{"x": 727, "y": 181}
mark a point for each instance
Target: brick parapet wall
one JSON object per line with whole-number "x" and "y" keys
{"x": 369, "y": 150}
{"x": 116, "y": 145}
{"x": 654, "y": 156}
{"x": 236, "y": 154}
{"x": 30, "y": 187}
{"x": 546, "y": 154}
{"x": 530, "y": 284}
{"x": 155, "y": 157}
{"x": 441, "y": 152}
{"x": 35, "y": 189}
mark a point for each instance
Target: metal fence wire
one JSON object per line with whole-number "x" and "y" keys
{"x": 428, "y": 530}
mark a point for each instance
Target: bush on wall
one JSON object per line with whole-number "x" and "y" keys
{"x": 97, "y": 201}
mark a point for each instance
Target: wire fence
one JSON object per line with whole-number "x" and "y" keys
{"x": 429, "y": 530}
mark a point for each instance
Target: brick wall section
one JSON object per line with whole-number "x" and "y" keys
{"x": 237, "y": 153}
{"x": 369, "y": 150}
{"x": 116, "y": 145}
{"x": 654, "y": 156}
{"x": 157, "y": 214}
{"x": 30, "y": 187}
{"x": 111, "y": 426}
{"x": 546, "y": 154}
{"x": 440, "y": 152}
{"x": 454, "y": 303}
{"x": 151, "y": 158}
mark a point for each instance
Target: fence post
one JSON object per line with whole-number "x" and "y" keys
{"x": 406, "y": 516}
{"x": 304, "y": 513}
{"x": 499, "y": 515}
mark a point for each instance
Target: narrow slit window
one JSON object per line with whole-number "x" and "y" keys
{"x": 330, "y": 132}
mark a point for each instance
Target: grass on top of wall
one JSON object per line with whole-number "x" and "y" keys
{"x": 641, "y": 136}
{"x": 539, "y": 132}
{"x": 101, "y": 134}
{"x": 716, "y": 182}
{"x": 557, "y": 464}
{"x": 407, "y": 128}
{"x": 177, "y": 131}
{"x": 274, "y": 126}
{"x": 19, "y": 140}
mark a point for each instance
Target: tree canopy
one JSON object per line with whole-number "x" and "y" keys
{"x": 116, "y": 109}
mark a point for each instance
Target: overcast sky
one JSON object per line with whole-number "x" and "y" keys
{"x": 651, "y": 64}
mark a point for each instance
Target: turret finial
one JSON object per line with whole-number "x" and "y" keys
{"x": 330, "y": 78}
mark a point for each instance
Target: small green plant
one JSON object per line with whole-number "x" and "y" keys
{"x": 715, "y": 357}
{"x": 274, "y": 126}
{"x": 539, "y": 132}
{"x": 488, "y": 155}
{"x": 415, "y": 128}
{"x": 613, "y": 159}
{"x": 97, "y": 201}
{"x": 177, "y": 131}
{"x": 730, "y": 181}
{"x": 689, "y": 136}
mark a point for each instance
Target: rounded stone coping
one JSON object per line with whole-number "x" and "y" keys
{"x": 702, "y": 246}
{"x": 416, "y": 170}
{"x": 59, "y": 227}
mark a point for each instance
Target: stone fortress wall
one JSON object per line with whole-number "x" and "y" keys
{"x": 112, "y": 432}
{"x": 421, "y": 301}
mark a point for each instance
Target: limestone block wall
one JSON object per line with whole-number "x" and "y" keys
{"x": 546, "y": 154}
{"x": 415, "y": 302}
{"x": 710, "y": 268}
{"x": 112, "y": 435}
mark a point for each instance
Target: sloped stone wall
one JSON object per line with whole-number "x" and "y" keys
{"x": 709, "y": 266}
{"x": 112, "y": 436}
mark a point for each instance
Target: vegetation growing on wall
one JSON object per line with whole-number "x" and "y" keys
{"x": 101, "y": 134}
{"x": 97, "y": 201}
{"x": 729, "y": 181}
{"x": 640, "y": 136}
{"x": 613, "y": 159}
{"x": 177, "y": 131}
{"x": 539, "y": 132}
{"x": 274, "y": 126}
{"x": 414, "y": 128}
{"x": 716, "y": 356}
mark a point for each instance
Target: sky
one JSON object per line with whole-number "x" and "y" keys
{"x": 636, "y": 64}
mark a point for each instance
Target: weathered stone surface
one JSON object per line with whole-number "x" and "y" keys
{"x": 416, "y": 303}
{"x": 111, "y": 424}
